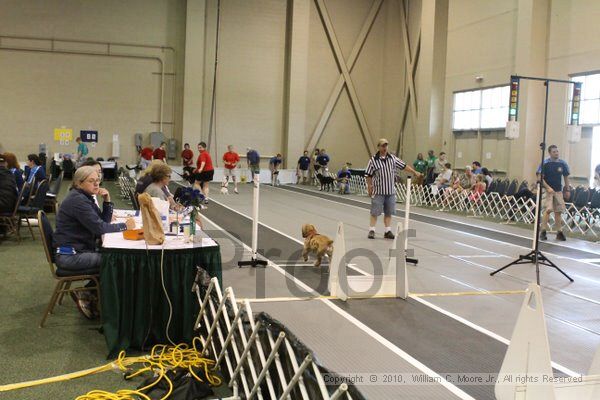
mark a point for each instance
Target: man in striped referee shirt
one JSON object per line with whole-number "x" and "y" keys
{"x": 380, "y": 175}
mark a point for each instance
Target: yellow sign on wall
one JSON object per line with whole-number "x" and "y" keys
{"x": 63, "y": 134}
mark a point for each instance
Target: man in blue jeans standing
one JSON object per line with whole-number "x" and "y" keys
{"x": 380, "y": 175}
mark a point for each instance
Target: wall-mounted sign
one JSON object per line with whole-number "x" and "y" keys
{"x": 513, "y": 106}
{"x": 89, "y": 136}
{"x": 575, "y": 103}
{"x": 63, "y": 134}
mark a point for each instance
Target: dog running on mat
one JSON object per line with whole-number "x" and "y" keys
{"x": 316, "y": 243}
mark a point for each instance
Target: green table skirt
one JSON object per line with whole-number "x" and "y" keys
{"x": 135, "y": 309}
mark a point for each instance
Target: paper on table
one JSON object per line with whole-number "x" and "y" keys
{"x": 125, "y": 213}
{"x": 116, "y": 241}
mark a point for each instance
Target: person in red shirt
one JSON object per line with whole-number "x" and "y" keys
{"x": 160, "y": 153}
{"x": 204, "y": 170}
{"x": 231, "y": 160}
{"x": 187, "y": 156}
{"x": 146, "y": 156}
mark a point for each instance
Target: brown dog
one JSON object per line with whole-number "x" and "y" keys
{"x": 315, "y": 243}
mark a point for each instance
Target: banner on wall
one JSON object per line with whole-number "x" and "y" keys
{"x": 63, "y": 135}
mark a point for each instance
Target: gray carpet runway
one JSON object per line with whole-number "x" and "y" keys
{"x": 446, "y": 223}
{"x": 450, "y": 261}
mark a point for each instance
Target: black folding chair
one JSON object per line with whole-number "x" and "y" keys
{"x": 10, "y": 220}
{"x": 64, "y": 281}
{"x": 36, "y": 204}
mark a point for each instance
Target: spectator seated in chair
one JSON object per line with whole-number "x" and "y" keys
{"x": 343, "y": 179}
{"x": 79, "y": 226}
{"x": 13, "y": 165}
{"x": 444, "y": 179}
{"x": 8, "y": 189}
{"x": 477, "y": 189}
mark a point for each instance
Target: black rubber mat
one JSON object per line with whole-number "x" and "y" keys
{"x": 456, "y": 226}
{"x": 440, "y": 342}
{"x": 272, "y": 245}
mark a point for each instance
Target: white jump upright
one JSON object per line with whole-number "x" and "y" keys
{"x": 392, "y": 283}
{"x": 526, "y": 371}
{"x": 397, "y": 261}
{"x": 254, "y": 261}
{"x": 337, "y": 264}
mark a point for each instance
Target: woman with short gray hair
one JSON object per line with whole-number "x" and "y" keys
{"x": 79, "y": 225}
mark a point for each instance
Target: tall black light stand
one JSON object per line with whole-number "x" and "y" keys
{"x": 535, "y": 256}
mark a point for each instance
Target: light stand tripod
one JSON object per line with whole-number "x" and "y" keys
{"x": 535, "y": 256}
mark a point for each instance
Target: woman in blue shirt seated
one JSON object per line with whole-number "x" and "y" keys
{"x": 34, "y": 169}
{"x": 13, "y": 165}
{"x": 34, "y": 174}
{"x": 79, "y": 226}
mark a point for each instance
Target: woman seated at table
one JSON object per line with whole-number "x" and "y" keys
{"x": 79, "y": 226}
{"x": 161, "y": 176}
{"x": 146, "y": 177}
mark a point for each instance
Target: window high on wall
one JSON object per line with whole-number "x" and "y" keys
{"x": 481, "y": 109}
{"x": 590, "y": 98}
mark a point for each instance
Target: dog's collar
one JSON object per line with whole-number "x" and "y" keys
{"x": 311, "y": 233}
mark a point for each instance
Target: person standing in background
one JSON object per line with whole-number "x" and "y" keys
{"x": 431, "y": 162}
{"x": 253, "y": 159}
{"x": 204, "y": 170}
{"x": 146, "y": 156}
{"x": 323, "y": 160}
{"x": 274, "y": 164}
{"x": 187, "y": 159}
{"x": 553, "y": 170}
{"x": 187, "y": 156}
{"x": 160, "y": 153}
{"x": 231, "y": 160}
{"x": 420, "y": 165}
{"x": 303, "y": 167}
{"x": 82, "y": 151}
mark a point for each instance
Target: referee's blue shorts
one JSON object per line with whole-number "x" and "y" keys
{"x": 385, "y": 203}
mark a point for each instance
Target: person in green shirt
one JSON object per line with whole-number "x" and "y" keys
{"x": 420, "y": 164}
{"x": 82, "y": 150}
{"x": 431, "y": 162}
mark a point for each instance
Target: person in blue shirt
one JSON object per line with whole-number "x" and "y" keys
{"x": 476, "y": 167}
{"x": 34, "y": 174}
{"x": 274, "y": 164}
{"x": 13, "y": 165}
{"x": 34, "y": 170}
{"x": 253, "y": 159}
{"x": 79, "y": 225}
{"x": 343, "y": 178}
{"x": 323, "y": 161}
{"x": 303, "y": 167}
{"x": 553, "y": 171}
